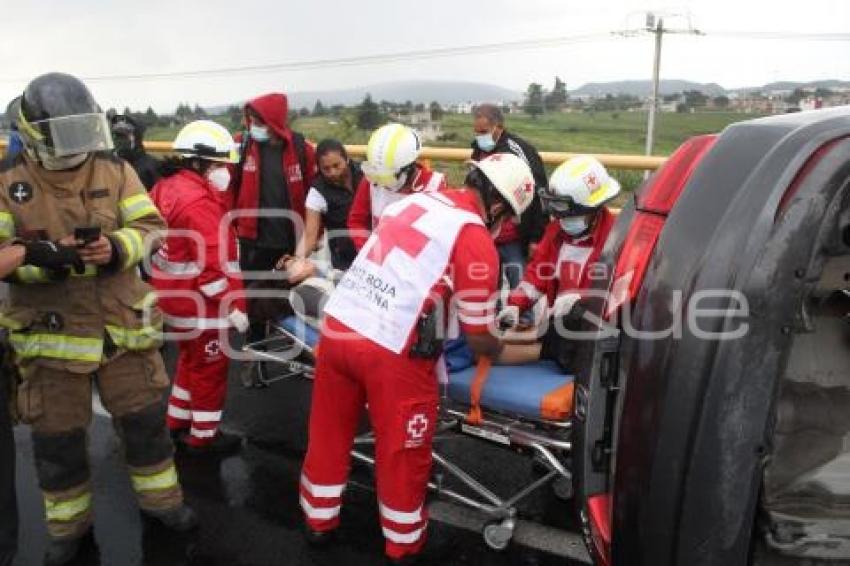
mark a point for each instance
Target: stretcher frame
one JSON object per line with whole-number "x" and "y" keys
{"x": 547, "y": 442}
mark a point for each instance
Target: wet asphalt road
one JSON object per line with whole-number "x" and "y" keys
{"x": 248, "y": 503}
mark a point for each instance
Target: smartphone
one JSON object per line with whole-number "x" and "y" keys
{"x": 87, "y": 234}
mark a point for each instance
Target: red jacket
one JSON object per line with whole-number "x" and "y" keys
{"x": 562, "y": 263}
{"x": 365, "y": 210}
{"x": 194, "y": 261}
{"x": 273, "y": 109}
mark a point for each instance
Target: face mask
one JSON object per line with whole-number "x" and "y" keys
{"x": 219, "y": 178}
{"x": 259, "y": 133}
{"x": 485, "y": 141}
{"x": 63, "y": 163}
{"x": 574, "y": 226}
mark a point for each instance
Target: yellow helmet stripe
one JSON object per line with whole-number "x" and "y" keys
{"x": 392, "y": 147}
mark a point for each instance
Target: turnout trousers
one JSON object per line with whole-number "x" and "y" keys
{"x": 402, "y": 396}
{"x": 58, "y": 405}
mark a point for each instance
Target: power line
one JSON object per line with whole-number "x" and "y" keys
{"x": 355, "y": 61}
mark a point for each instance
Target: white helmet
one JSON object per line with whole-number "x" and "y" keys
{"x": 511, "y": 176}
{"x": 206, "y": 139}
{"x": 579, "y": 186}
{"x": 390, "y": 155}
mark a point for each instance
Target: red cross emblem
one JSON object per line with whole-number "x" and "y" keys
{"x": 591, "y": 181}
{"x": 417, "y": 425}
{"x": 398, "y": 232}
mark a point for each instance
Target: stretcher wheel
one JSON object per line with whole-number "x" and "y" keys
{"x": 498, "y": 534}
{"x": 563, "y": 488}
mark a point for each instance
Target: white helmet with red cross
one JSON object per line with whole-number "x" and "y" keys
{"x": 579, "y": 186}
{"x": 511, "y": 176}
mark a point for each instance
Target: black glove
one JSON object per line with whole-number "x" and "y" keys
{"x": 44, "y": 253}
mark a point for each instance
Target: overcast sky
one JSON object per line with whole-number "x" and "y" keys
{"x": 96, "y": 38}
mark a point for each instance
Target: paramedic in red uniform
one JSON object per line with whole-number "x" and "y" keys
{"x": 197, "y": 277}
{"x": 563, "y": 264}
{"x": 377, "y": 349}
{"x": 391, "y": 173}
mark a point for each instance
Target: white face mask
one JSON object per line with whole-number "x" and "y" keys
{"x": 219, "y": 178}
{"x": 574, "y": 225}
{"x": 259, "y": 133}
{"x": 63, "y": 163}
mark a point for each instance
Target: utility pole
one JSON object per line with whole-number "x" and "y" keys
{"x": 655, "y": 25}
{"x": 656, "y": 73}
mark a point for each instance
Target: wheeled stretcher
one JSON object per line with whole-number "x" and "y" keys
{"x": 524, "y": 408}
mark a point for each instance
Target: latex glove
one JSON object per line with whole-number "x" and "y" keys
{"x": 508, "y": 317}
{"x": 564, "y": 304}
{"x": 44, "y": 253}
{"x": 239, "y": 320}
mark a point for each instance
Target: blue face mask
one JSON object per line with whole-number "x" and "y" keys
{"x": 259, "y": 133}
{"x": 485, "y": 141}
{"x": 574, "y": 225}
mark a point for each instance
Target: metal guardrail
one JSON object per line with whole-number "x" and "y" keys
{"x": 612, "y": 160}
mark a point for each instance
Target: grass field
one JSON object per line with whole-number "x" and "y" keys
{"x": 599, "y": 132}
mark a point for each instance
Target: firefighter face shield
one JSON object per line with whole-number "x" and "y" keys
{"x": 563, "y": 206}
{"x": 67, "y": 135}
{"x": 391, "y": 180}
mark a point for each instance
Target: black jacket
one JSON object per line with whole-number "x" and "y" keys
{"x": 339, "y": 201}
{"x": 533, "y": 221}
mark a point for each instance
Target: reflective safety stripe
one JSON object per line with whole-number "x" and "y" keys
{"x": 187, "y": 268}
{"x": 31, "y": 274}
{"x": 214, "y": 287}
{"x": 67, "y": 510}
{"x": 165, "y": 479}
{"x": 199, "y": 323}
{"x": 402, "y": 538}
{"x": 10, "y": 323}
{"x": 529, "y": 289}
{"x": 233, "y": 267}
{"x": 392, "y": 147}
{"x": 324, "y": 491}
{"x": 146, "y": 302}
{"x": 319, "y": 513}
{"x": 7, "y": 225}
{"x": 90, "y": 271}
{"x": 178, "y": 413}
{"x": 58, "y": 346}
{"x": 206, "y": 416}
{"x": 401, "y": 517}
{"x": 133, "y": 245}
{"x": 135, "y": 207}
{"x": 467, "y": 319}
{"x": 201, "y": 433}
{"x": 143, "y": 338}
{"x": 180, "y": 393}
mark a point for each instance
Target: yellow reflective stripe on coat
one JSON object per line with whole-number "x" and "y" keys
{"x": 7, "y": 225}
{"x": 10, "y": 323}
{"x": 133, "y": 245}
{"x": 135, "y": 207}
{"x": 91, "y": 271}
{"x": 143, "y": 338}
{"x": 165, "y": 479}
{"x": 57, "y": 346}
{"x": 67, "y": 510}
{"x": 31, "y": 274}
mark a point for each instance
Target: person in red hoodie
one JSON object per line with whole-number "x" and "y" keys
{"x": 390, "y": 174}
{"x": 276, "y": 168}
{"x": 198, "y": 282}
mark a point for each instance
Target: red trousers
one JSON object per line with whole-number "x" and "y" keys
{"x": 200, "y": 384}
{"x": 402, "y": 396}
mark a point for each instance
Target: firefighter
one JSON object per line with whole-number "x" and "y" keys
{"x": 71, "y": 329}
{"x": 390, "y": 174}
{"x": 197, "y": 276}
{"x": 380, "y": 348}
{"x": 563, "y": 264}
{"x": 12, "y": 256}
{"x": 128, "y": 135}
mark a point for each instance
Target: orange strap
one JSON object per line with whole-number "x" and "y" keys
{"x": 482, "y": 372}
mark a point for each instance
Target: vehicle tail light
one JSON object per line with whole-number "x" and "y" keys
{"x": 663, "y": 189}
{"x": 599, "y": 518}
{"x": 634, "y": 259}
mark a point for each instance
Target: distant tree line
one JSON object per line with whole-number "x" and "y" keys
{"x": 149, "y": 118}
